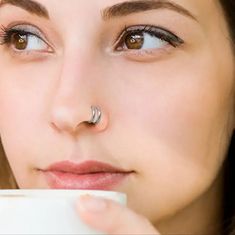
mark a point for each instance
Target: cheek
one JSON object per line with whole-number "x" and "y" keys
{"x": 180, "y": 111}
{"x": 22, "y": 105}
{"x": 176, "y": 126}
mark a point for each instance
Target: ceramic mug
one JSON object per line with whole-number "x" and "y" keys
{"x": 46, "y": 211}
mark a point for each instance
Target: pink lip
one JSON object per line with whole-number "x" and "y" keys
{"x": 86, "y": 175}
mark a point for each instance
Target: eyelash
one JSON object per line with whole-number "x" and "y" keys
{"x": 6, "y": 34}
{"x": 158, "y": 32}
{"x": 152, "y": 30}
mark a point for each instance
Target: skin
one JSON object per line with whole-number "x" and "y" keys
{"x": 177, "y": 106}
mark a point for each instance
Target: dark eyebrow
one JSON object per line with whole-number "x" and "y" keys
{"x": 29, "y": 5}
{"x": 136, "y": 6}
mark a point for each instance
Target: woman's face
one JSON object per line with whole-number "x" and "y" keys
{"x": 161, "y": 72}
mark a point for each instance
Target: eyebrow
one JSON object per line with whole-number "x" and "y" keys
{"x": 136, "y": 6}
{"x": 117, "y": 10}
{"x": 29, "y": 5}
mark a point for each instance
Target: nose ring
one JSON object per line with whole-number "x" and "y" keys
{"x": 96, "y": 115}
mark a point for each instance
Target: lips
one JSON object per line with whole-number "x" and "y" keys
{"x": 86, "y": 175}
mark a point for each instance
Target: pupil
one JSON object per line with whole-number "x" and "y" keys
{"x": 134, "y": 41}
{"x": 19, "y": 41}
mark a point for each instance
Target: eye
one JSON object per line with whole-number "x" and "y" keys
{"x": 24, "y": 38}
{"x": 137, "y": 41}
{"x": 146, "y": 38}
{"x": 26, "y": 42}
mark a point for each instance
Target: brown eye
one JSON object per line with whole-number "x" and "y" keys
{"x": 19, "y": 41}
{"x": 146, "y": 38}
{"x": 134, "y": 41}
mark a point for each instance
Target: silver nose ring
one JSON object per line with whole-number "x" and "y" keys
{"x": 96, "y": 115}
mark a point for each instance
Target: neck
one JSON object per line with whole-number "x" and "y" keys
{"x": 204, "y": 216}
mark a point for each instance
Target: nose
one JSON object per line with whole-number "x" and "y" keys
{"x": 73, "y": 98}
{"x": 67, "y": 119}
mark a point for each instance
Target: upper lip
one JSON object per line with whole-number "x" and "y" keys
{"x": 87, "y": 167}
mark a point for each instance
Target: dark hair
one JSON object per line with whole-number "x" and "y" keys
{"x": 228, "y": 223}
{"x": 229, "y": 9}
{"x": 229, "y": 177}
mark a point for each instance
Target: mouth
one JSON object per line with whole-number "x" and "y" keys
{"x": 90, "y": 175}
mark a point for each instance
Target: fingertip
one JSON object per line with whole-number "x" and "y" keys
{"x": 90, "y": 209}
{"x": 93, "y": 204}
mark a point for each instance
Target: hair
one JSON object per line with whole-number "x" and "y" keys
{"x": 7, "y": 180}
{"x": 229, "y": 165}
{"x": 229, "y": 10}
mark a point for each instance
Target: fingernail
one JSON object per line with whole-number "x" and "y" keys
{"x": 92, "y": 203}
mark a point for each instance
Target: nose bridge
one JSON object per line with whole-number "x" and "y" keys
{"x": 73, "y": 78}
{"x": 78, "y": 54}
{"x": 72, "y": 98}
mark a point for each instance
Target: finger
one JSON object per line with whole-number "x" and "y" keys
{"x": 112, "y": 218}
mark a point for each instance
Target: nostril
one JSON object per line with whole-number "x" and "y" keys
{"x": 66, "y": 119}
{"x": 54, "y": 126}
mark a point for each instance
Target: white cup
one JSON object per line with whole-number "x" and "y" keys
{"x": 46, "y": 211}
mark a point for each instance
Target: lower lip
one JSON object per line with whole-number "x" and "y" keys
{"x": 98, "y": 181}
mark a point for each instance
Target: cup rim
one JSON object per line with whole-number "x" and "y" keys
{"x": 57, "y": 193}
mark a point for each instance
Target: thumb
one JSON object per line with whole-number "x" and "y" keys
{"x": 112, "y": 218}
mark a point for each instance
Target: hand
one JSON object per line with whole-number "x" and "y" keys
{"x": 112, "y": 218}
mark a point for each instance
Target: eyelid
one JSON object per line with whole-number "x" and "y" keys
{"x": 28, "y": 28}
{"x": 31, "y": 29}
{"x": 147, "y": 28}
